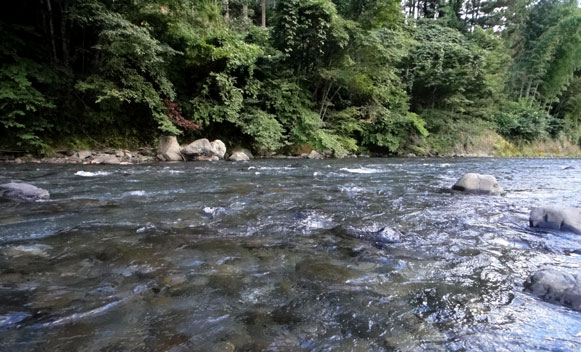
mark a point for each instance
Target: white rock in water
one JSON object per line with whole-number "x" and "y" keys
{"x": 556, "y": 218}
{"x": 22, "y": 191}
{"x": 477, "y": 183}
{"x": 241, "y": 154}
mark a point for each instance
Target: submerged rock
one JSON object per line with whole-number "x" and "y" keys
{"x": 22, "y": 191}
{"x": 556, "y": 287}
{"x": 380, "y": 238}
{"x": 37, "y": 250}
{"x": 556, "y": 218}
{"x": 169, "y": 149}
{"x": 241, "y": 154}
{"x": 477, "y": 183}
{"x": 317, "y": 270}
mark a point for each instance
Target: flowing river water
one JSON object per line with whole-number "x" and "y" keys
{"x": 284, "y": 255}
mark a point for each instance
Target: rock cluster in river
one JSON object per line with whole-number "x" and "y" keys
{"x": 198, "y": 150}
{"x": 202, "y": 149}
{"x": 555, "y": 286}
{"x": 552, "y": 286}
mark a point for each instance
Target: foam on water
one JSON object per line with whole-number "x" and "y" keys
{"x": 92, "y": 174}
{"x": 362, "y": 170}
{"x": 136, "y": 194}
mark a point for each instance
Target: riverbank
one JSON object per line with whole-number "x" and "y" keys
{"x": 488, "y": 143}
{"x": 485, "y": 145}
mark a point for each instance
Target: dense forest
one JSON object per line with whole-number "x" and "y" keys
{"x": 349, "y": 76}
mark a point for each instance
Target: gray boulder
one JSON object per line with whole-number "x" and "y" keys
{"x": 169, "y": 149}
{"x": 556, "y": 287}
{"x": 200, "y": 147}
{"x": 241, "y": 154}
{"x": 106, "y": 159}
{"x": 556, "y": 218}
{"x": 219, "y": 148}
{"x": 83, "y": 154}
{"x": 22, "y": 191}
{"x": 315, "y": 155}
{"x": 477, "y": 183}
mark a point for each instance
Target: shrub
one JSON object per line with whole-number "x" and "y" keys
{"x": 527, "y": 122}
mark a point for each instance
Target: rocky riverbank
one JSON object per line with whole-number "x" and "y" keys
{"x": 105, "y": 157}
{"x": 169, "y": 150}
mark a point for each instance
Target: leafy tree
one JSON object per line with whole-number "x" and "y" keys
{"x": 23, "y": 107}
{"x": 130, "y": 70}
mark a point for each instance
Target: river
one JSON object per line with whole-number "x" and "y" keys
{"x": 285, "y": 255}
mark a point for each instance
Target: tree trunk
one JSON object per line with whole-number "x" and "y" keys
{"x": 245, "y": 13}
{"x": 529, "y": 88}
{"x": 51, "y": 30}
{"x": 324, "y": 101}
{"x": 226, "y": 10}
{"x": 64, "y": 38}
{"x": 263, "y": 6}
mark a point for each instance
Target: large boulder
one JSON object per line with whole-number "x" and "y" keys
{"x": 477, "y": 183}
{"x": 200, "y": 147}
{"x": 241, "y": 154}
{"x": 219, "y": 148}
{"x": 22, "y": 191}
{"x": 315, "y": 155}
{"x": 556, "y": 287}
{"x": 106, "y": 159}
{"x": 83, "y": 154}
{"x": 556, "y": 218}
{"x": 169, "y": 149}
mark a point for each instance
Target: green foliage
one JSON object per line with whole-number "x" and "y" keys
{"x": 448, "y": 129}
{"x": 372, "y": 14}
{"x": 131, "y": 69}
{"x": 22, "y": 105}
{"x": 264, "y": 128}
{"x": 551, "y": 43}
{"x": 309, "y": 33}
{"x": 571, "y": 110}
{"x": 343, "y": 75}
{"x": 444, "y": 67}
